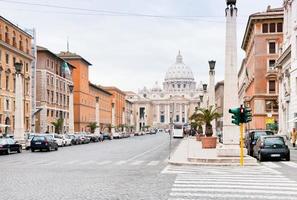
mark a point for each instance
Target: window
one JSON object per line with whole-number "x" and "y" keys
{"x": 271, "y": 64}
{"x": 7, "y": 82}
{"x": 52, "y": 113}
{"x": 27, "y": 67}
{"x": 271, "y": 105}
{"x": 279, "y": 27}
{"x": 272, "y": 47}
{"x": 264, "y": 28}
{"x": 13, "y": 60}
{"x": 272, "y": 28}
{"x": 7, "y": 58}
{"x": 7, "y": 104}
{"x": 162, "y": 118}
{"x": 27, "y": 88}
{"x": 47, "y": 63}
{"x": 271, "y": 86}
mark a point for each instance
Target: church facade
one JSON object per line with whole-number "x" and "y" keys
{"x": 175, "y": 102}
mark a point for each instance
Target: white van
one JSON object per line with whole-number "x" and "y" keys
{"x": 178, "y": 131}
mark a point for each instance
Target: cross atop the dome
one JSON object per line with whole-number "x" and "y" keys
{"x": 179, "y": 58}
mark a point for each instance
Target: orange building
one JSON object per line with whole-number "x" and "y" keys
{"x": 104, "y": 99}
{"x": 119, "y": 101}
{"x": 84, "y": 102}
{"x": 15, "y": 47}
{"x": 258, "y": 75}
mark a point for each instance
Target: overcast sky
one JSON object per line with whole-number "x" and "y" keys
{"x": 131, "y": 52}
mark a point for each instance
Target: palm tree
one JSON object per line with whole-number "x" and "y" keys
{"x": 196, "y": 123}
{"x": 58, "y": 125}
{"x": 207, "y": 115}
{"x": 93, "y": 126}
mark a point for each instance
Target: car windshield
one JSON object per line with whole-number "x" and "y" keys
{"x": 38, "y": 138}
{"x": 261, "y": 133}
{"x": 178, "y": 126}
{"x": 3, "y": 141}
{"x": 274, "y": 141}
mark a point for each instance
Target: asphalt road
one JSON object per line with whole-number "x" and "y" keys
{"x": 124, "y": 169}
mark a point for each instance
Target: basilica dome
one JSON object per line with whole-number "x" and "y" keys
{"x": 179, "y": 71}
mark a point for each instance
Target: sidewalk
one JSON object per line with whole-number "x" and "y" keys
{"x": 190, "y": 152}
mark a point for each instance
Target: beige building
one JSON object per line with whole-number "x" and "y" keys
{"x": 53, "y": 77}
{"x": 219, "y": 102}
{"x": 15, "y": 47}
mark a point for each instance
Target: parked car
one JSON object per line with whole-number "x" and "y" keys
{"x": 93, "y": 137}
{"x": 66, "y": 140}
{"x": 251, "y": 138}
{"x": 8, "y": 145}
{"x": 84, "y": 139}
{"x": 107, "y": 136}
{"x": 117, "y": 135}
{"x": 74, "y": 139}
{"x": 28, "y": 140}
{"x": 57, "y": 138}
{"x": 153, "y": 131}
{"x": 43, "y": 142}
{"x": 271, "y": 147}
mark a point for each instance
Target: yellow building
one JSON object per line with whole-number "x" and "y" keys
{"x": 15, "y": 46}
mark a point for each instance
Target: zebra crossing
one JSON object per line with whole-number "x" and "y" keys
{"x": 207, "y": 182}
{"x": 85, "y": 163}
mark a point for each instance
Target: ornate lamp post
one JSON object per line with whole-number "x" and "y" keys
{"x": 71, "y": 114}
{"x": 19, "y": 104}
{"x": 211, "y": 88}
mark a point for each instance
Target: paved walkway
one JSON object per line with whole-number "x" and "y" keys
{"x": 190, "y": 152}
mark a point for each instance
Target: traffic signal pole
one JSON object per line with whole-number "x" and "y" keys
{"x": 241, "y": 144}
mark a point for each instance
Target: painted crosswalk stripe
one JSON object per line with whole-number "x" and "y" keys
{"x": 51, "y": 163}
{"x": 121, "y": 162}
{"x": 87, "y": 162}
{"x": 290, "y": 164}
{"x": 104, "y": 162}
{"x": 72, "y": 162}
{"x": 153, "y": 163}
{"x": 137, "y": 162}
{"x": 271, "y": 165}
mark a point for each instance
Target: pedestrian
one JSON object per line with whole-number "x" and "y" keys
{"x": 293, "y": 137}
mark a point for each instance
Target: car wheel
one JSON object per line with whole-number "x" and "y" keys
{"x": 56, "y": 149}
{"x": 260, "y": 157}
{"x": 8, "y": 151}
{"x": 32, "y": 149}
{"x": 20, "y": 150}
{"x": 288, "y": 157}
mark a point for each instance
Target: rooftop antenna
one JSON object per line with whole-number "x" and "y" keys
{"x": 67, "y": 44}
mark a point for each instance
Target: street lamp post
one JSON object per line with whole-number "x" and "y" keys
{"x": 71, "y": 114}
{"x": 97, "y": 114}
{"x": 19, "y": 104}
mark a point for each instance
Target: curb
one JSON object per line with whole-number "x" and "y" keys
{"x": 210, "y": 164}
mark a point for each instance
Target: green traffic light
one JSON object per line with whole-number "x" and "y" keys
{"x": 235, "y": 116}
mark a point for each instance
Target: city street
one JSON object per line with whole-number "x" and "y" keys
{"x": 118, "y": 169}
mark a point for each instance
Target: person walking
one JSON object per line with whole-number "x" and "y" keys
{"x": 293, "y": 137}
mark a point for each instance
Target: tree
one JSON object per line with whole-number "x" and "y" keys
{"x": 58, "y": 125}
{"x": 207, "y": 115}
{"x": 93, "y": 126}
{"x": 196, "y": 123}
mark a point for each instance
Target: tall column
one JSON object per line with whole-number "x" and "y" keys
{"x": 71, "y": 110}
{"x": 19, "y": 104}
{"x": 112, "y": 118}
{"x": 211, "y": 89}
{"x": 186, "y": 113}
{"x": 180, "y": 113}
{"x": 158, "y": 114}
{"x": 97, "y": 114}
{"x": 33, "y": 82}
{"x": 167, "y": 118}
{"x": 230, "y": 131}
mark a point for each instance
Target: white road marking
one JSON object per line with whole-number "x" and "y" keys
{"x": 121, "y": 162}
{"x": 153, "y": 163}
{"x": 138, "y": 162}
{"x": 291, "y": 164}
{"x": 104, "y": 162}
{"x": 87, "y": 162}
{"x": 72, "y": 162}
{"x": 271, "y": 165}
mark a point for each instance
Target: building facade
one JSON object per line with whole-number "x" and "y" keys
{"x": 118, "y": 104}
{"x": 53, "y": 78}
{"x": 15, "y": 47}
{"x": 219, "y": 103}
{"x": 84, "y": 101}
{"x": 287, "y": 65}
{"x": 104, "y": 101}
{"x": 175, "y": 102}
{"x": 258, "y": 75}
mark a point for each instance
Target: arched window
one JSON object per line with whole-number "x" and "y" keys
{"x": 7, "y": 35}
{"x": 14, "y": 39}
{"x": 27, "y": 46}
{"x": 21, "y": 43}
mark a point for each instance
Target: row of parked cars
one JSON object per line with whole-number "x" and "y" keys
{"x": 265, "y": 145}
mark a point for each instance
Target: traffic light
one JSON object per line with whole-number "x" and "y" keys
{"x": 247, "y": 115}
{"x": 235, "y": 116}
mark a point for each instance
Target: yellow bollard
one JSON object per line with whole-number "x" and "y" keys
{"x": 241, "y": 144}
